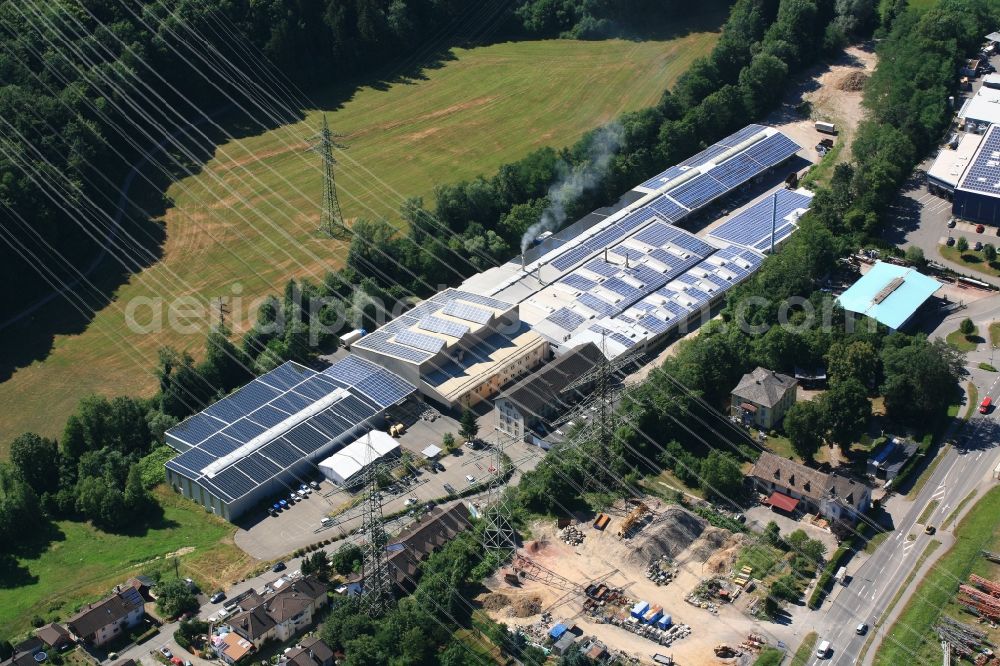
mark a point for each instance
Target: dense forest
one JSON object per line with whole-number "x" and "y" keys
{"x": 90, "y": 87}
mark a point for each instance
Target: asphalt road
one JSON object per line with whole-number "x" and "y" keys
{"x": 876, "y": 580}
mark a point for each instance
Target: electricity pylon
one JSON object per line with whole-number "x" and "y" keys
{"x": 376, "y": 591}
{"x": 499, "y": 536}
{"x": 331, "y": 219}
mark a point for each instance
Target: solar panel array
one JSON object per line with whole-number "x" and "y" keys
{"x": 681, "y": 200}
{"x": 356, "y": 389}
{"x": 467, "y": 312}
{"x": 443, "y": 326}
{"x": 983, "y": 175}
{"x": 470, "y": 308}
{"x": 752, "y": 227}
{"x": 704, "y": 156}
{"x": 566, "y": 319}
{"x": 422, "y": 341}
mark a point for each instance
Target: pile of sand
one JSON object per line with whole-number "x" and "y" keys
{"x": 852, "y": 81}
{"x": 494, "y": 601}
{"x": 670, "y": 533}
{"x": 526, "y": 606}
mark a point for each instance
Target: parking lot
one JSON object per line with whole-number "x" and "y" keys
{"x": 269, "y": 538}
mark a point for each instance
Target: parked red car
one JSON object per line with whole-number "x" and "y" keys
{"x": 985, "y": 405}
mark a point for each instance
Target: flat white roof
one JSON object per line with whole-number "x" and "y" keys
{"x": 984, "y": 106}
{"x": 431, "y": 451}
{"x": 950, "y": 164}
{"x": 361, "y": 452}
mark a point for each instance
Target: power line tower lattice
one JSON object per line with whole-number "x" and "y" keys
{"x": 331, "y": 219}
{"x": 376, "y": 591}
{"x": 499, "y": 536}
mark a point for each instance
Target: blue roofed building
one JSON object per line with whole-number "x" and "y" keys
{"x": 890, "y": 294}
{"x": 263, "y": 439}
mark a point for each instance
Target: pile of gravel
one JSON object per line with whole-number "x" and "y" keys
{"x": 670, "y": 533}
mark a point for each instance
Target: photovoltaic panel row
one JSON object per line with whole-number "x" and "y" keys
{"x": 427, "y": 343}
{"x": 736, "y": 171}
{"x": 602, "y": 268}
{"x": 566, "y": 319}
{"x": 597, "y": 305}
{"x": 291, "y": 402}
{"x": 571, "y": 257}
{"x": 268, "y": 416}
{"x": 350, "y": 370}
{"x": 480, "y": 300}
{"x": 754, "y": 224}
{"x": 191, "y": 462}
{"x": 702, "y": 157}
{"x": 772, "y": 150}
{"x": 984, "y": 172}
{"x": 577, "y": 281}
{"x": 467, "y": 312}
{"x": 697, "y": 192}
{"x": 231, "y": 482}
{"x": 653, "y": 323}
{"x": 378, "y": 341}
{"x": 280, "y": 453}
{"x": 780, "y": 234}
{"x": 286, "y": 376}
{"x": 243, "y": 430}
{"x": 740, "y": 136}
{"x": 693, "y": 244}
{"x": 606, "y": 237}
{"x": 630, "y": 252}
{"x": 621, "y": 339}
{"x": 385, "y": 389}
{"x": 197, "y": 428}
{"x": 257, "y": 468}
{"x": 622, "y": 288}
{"x": 306, "y": 438}
{"x": 667, "y": 208}
{"x": 443, "y": 326}
{"x": 220, "y": 445}
{"x": 635, "y": 219}
{"x": 646, "y": 275}
{"x": 243, "y": 401}
{"x": 657, "y": 234}
{"x": 663, "y": 177}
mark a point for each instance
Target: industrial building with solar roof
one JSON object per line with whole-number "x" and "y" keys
{"x": 634, "y": 277}
{"x": 457, "y": 348}
{"x": 264, "y": 438}
{"x": 977, "y": 196}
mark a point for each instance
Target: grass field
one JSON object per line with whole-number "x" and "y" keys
{"x": 911, "y": 640}
{"x": 970, "y": 259}
{"x": 248, "y": 219}
{"x": 85, "y": 563}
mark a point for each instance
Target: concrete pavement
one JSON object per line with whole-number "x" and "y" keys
{"x": 875, "y": 580}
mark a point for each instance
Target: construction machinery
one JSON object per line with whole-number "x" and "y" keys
{"x": 633, "y": 519}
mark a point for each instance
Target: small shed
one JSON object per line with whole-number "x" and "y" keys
{"x": 557, "y": 631}
{"x": 664, "y": 622}
{"x": 431, "y": 452}
{"x": 562, "y": 646}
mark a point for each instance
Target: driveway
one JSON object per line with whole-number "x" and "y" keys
{"x": 759, "y": 516}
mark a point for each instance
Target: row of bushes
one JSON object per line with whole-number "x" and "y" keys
{"x": 837, "y": 560}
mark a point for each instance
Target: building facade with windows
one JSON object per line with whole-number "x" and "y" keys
{"x": 531, "y": 403}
